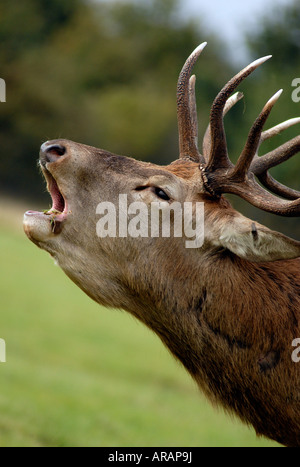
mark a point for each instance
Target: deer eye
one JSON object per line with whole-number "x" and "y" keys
{"x": 156, "y": 190}
{"x": 161, "y": 194}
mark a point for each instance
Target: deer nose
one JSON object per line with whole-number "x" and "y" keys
{"x": 52, "y": 151}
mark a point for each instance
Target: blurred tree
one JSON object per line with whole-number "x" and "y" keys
{"x": 282, "y": 29}
{"x": 96, "y": 72}
{"x": 26, "y": 30}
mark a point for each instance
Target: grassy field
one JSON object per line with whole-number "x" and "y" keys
{"x": 80, "y": 375}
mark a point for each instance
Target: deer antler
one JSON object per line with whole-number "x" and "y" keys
{"x": 186, "y": 109}
{"x": 231, "y": 101}
{"x": 218, "y": 173}
{"x": 240, "y": 179}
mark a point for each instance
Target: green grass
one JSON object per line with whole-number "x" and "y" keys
{"x": 80, "y": 375}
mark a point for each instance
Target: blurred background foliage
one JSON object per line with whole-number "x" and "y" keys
{"x": 105, "y": 73}
{"x": 100, "y": 73}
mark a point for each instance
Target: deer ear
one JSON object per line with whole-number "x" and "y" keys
{"x": 254, "y": 242}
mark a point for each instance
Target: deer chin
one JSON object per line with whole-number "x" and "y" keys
{"x": 40, "y": 226}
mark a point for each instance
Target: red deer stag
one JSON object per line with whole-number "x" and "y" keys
{"x": 229, "y": 310}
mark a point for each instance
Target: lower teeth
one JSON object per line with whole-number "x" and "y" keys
{"x": 51, "y": 211}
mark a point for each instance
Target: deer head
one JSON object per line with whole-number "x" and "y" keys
{"x": 209, "y": 304}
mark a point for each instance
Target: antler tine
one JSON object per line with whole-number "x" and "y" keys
{"x": 231, "y": 101}
{"x": 242, "y": 166}
{"x": 193, "y": 110}
{"x": 218, "y": 154}
{"x": 186, "y": 118}
{"x": 276, "y": 130}
{"x": 276, "y": 157}
{"x": 252, "y": 192}
{"x": 269, "y": 182}
{"x": 261, "y": 165}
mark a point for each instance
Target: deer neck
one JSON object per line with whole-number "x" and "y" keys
{"x": 194, "y": 308}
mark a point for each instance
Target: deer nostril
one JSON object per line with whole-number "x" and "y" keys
{"x": 52, "y": 152}
{"x": 56, "y": 150}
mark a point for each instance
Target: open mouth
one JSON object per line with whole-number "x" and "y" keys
{"x": 58, "y": 200}
{"x": 59, "y": 210}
